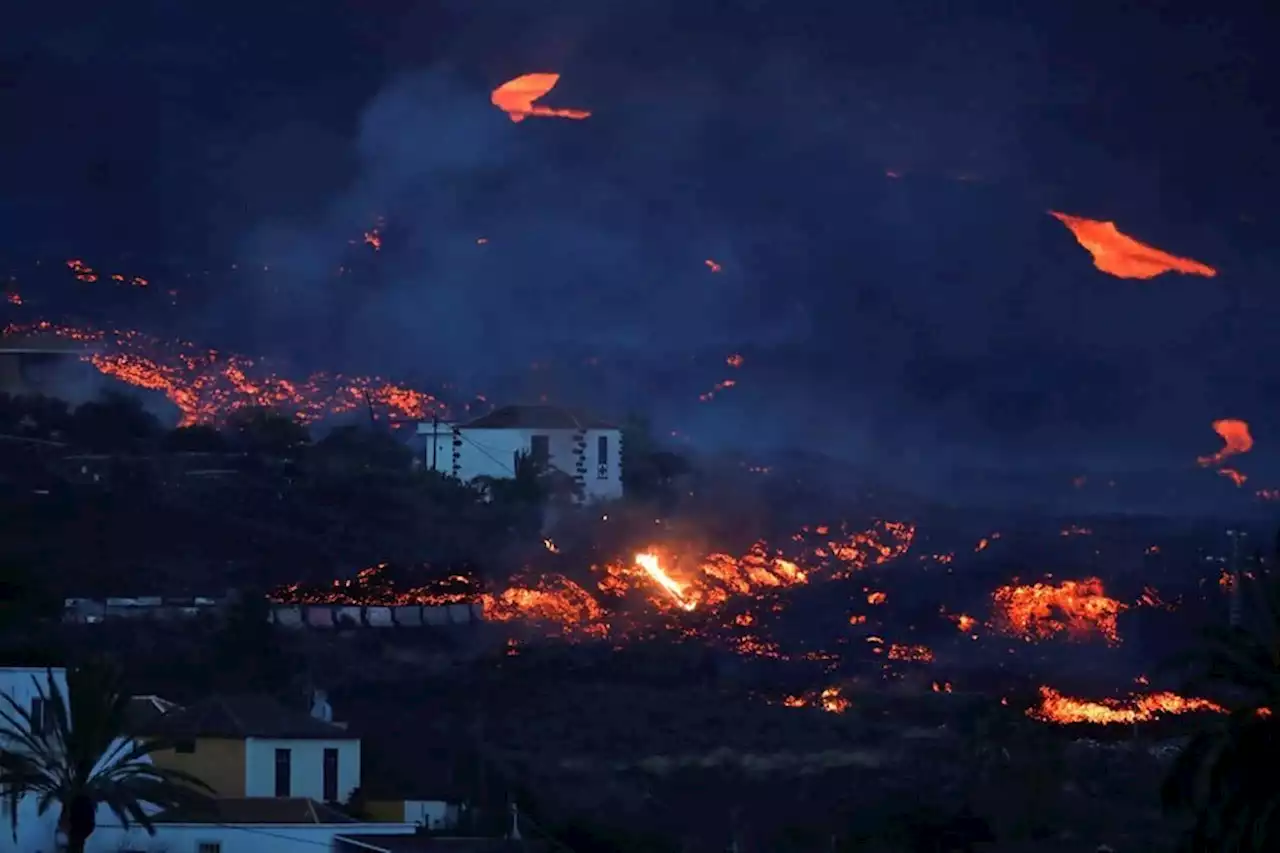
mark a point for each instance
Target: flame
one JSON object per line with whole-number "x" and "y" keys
{"x": 550, "y": 546}
{"x": 712, "y": 265}
{"x": 1236, "y": 438}
{"x": 899, "y": 651}
{"x": 734, "y": 360}
{"x": 828, "y": 699}
{"x": 1057, "y": 708}
{"x": 516, "y": 98}
{"x": 651, "y": 566}
{"x": 1124, "y": 257}
{"x": 1039, "y": 611}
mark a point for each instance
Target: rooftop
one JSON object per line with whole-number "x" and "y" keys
{"x": 240, "y": 810}
{"x": 538, "y": 417}
{"x": 239, "y": 717}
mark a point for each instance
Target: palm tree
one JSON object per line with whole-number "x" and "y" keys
{"x": 1224, "y": 778}
{"x": 91, "y": 763}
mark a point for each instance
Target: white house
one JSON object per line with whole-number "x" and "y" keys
{"x": 583, "y": 447}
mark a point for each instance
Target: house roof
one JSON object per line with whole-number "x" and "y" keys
{"x": 357, "y": 843}
{"x": 537, "y": 417}
{"x": 143, "y": 711}
{"x": 239, "y": 717}
{"x": 233, "y": 810}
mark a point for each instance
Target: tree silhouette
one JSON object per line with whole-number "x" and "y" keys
{"x": 1223, "y": 777}
{"x": 114, "y": 423}
{"x": 93, "y": 763}
{"x": 265, "y": 432}
{"x": 200, "y": 438}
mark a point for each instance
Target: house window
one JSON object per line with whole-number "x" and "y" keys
{"x": 602, "y": 457}
{"x": 540, "y": 448}
{"x": 331, "y": 775}
{"x": 185, "y": 747}
{"x": 284, "y": 772}
{"x": 41, "y": 716}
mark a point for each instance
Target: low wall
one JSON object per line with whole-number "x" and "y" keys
{"x": 376, "y": 616}
{"x": 320, "y": 616}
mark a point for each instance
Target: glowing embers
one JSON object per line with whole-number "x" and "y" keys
{"x": 516, "y": 98}
{"x": 1063, "y": 710}
{"x": 1120, "y": 255}
{"x": 1077, "y": 609}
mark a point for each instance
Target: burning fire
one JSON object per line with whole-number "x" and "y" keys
{"x": 516, "y": 98}
{"x": 828, "y": 699}
{"x": 1039, "y": 611}
{"x": 1124, "y": 257}
{"x": 1063, "y": 710}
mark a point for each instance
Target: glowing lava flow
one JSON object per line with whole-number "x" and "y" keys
{"x": 1124, "y": 257}
{"x": 1039, "y": 611}
{"x": 516, "y": 98}
{"x": 1064, "y": 710}
{"x": 207, "y": 385}
{"x": 1236, "y": 438}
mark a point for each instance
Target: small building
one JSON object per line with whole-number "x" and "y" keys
{"x": 253, "y": 746}
{"x": 570, "y": 442}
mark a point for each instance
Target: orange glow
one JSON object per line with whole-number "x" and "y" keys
{"x": 1056, "y": 708}
{"x": 876, "y": 598}
{"x": 651, "y": 566}
{"x": 1124, "y": 257}
{"x": 207, "y": 385}
{"x": 734, "y": 360}
{"x": 722, "y": 385}
{"x": 1233, "y": 475}
{"x": 1039, "y": 611}
{"x": 516, "y": 98}
{"x": 920, "y": 654}
{"x": 1236, "y": 438}
{"x": 828, "y": 699}
{"x": 712, "y": 265}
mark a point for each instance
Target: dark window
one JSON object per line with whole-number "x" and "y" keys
{"x": 284, "y": 772}
{"x": 602, "y": 450}
{"x": 186, "y": 747}
{"x": 331, "y": 775}
{"x": 41, "y": 716}
{"x": 540, "y": 448}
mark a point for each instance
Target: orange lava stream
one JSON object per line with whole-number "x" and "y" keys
{"x": 1039, "y": 611}
{"x": 1063, "y": 710}
{"x": 1124, "y": 257}
{"x": 206, "y": 385}
{"x": 1236, "y": 440}
{"x": 516, "y": 98}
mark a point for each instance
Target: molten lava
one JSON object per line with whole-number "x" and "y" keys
{"x": 1063, "y": 710}
{"x": 516, "y": 98}
{"x": 1236, "y": 438}
{"x": 1124, "y": 257}
{"x": 1079, "y": 609}
{"x": 207, "y": 385}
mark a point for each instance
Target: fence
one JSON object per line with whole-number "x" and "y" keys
{"x": 320, "y": 616}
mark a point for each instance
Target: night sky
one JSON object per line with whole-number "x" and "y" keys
{"x": 934, "y": 319}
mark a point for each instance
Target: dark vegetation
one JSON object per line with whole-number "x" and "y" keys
{"x": 654, "y": 746}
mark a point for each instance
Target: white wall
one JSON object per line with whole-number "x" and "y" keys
{"x": 491, "y": 453}
{"x": 234, "y": 838}
{"x": 306, "y": 763}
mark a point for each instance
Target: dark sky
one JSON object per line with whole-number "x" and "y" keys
{"x": 938, "y": 317}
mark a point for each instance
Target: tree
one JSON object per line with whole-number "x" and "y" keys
{"x": 248, "y": 655}
{"x": 200, "y": 438}
{"x": 264, "y": 432}
{"x": 1223, "y": 779}
{"x": 353, "y": 449}
{"x": 114, "y": 423}
{"x": 648, "y": 472}
{"x": 91, "y": 763}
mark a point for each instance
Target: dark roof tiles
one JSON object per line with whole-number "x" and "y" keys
{"x": 240, "y": 717}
